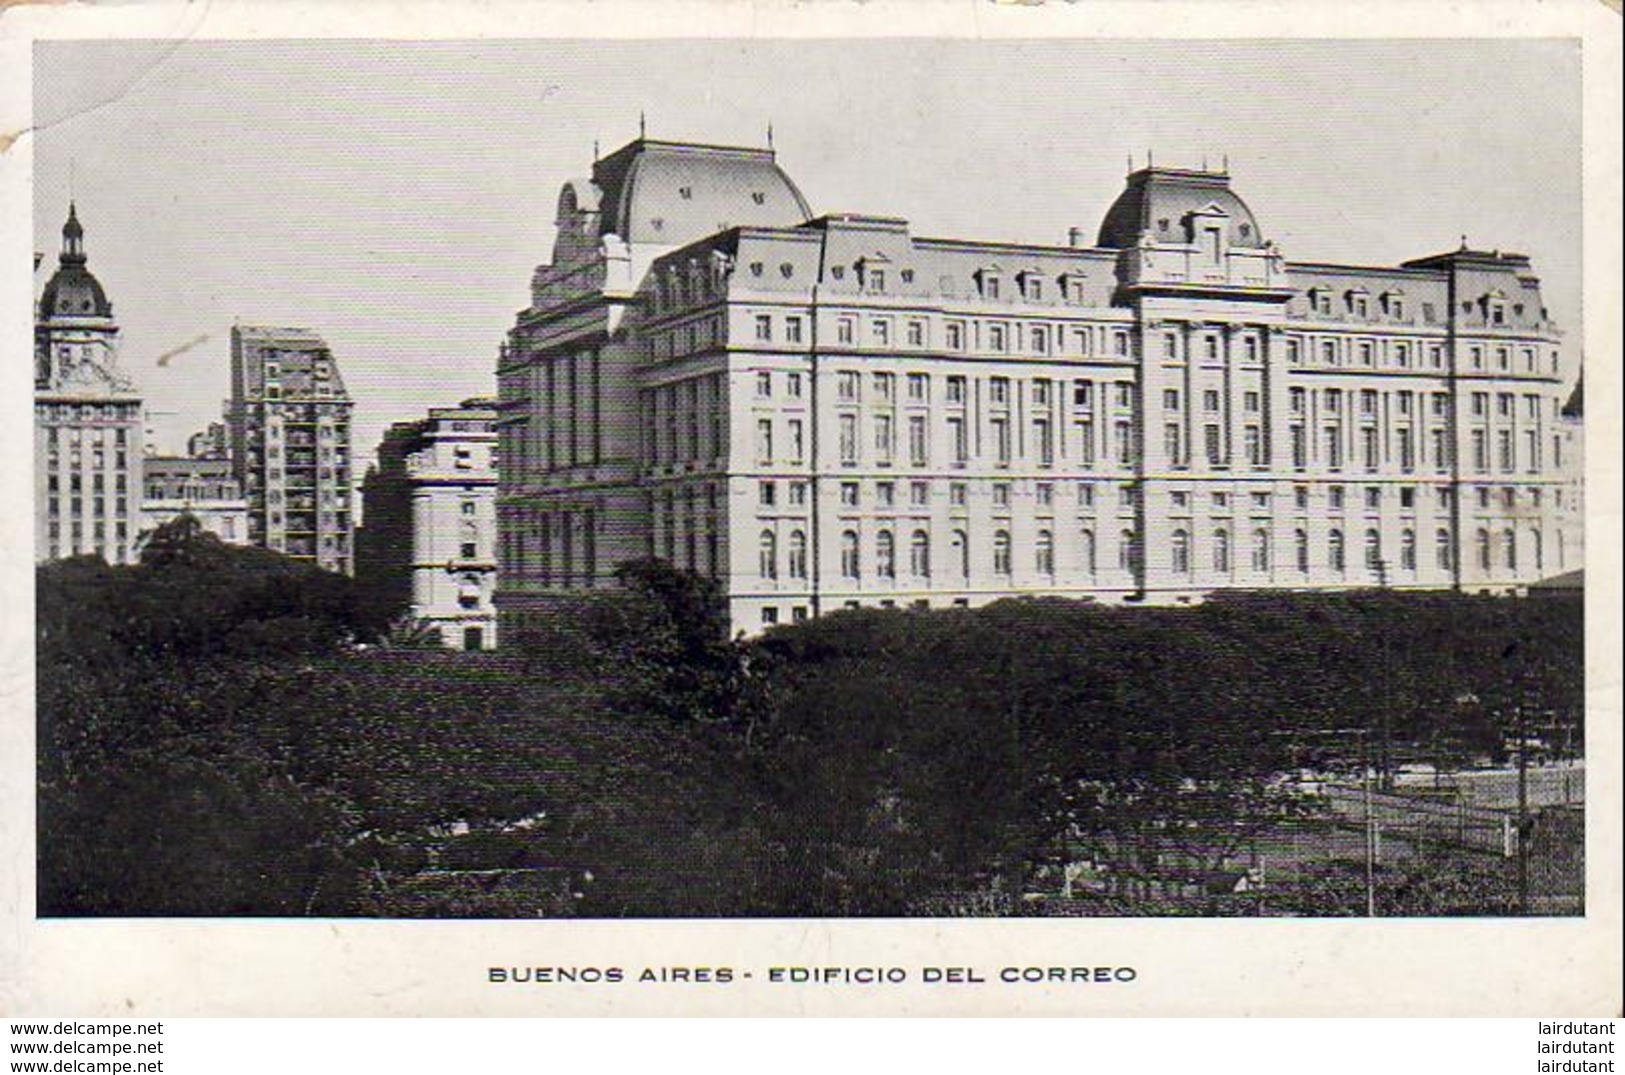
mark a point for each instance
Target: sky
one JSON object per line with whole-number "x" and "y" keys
{"x": 395, "y": 196}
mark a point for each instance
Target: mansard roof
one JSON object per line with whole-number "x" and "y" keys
{"x": 675, "y": 192}
{"x": 1159, "y": 201}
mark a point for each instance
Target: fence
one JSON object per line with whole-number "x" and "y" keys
{"x": 1478, "y": 828}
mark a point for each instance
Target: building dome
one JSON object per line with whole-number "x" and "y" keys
{"x": 674, "y": 192}
{"x": 1161, "y": 200}
{"x": 73, "y": 291}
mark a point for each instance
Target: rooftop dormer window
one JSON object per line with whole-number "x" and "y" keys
{"x": 1072, "y": 287}
{"x": 872, "y": 273}
{"x": 989, "y": 280}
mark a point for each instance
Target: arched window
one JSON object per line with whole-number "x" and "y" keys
{"x": 1001, "y": 552}
{"x": 1442, "y": 549}
{"x": 1261, "y": 549}
{"x": 1044, "y": 553}
{"x": 1300, "y": 544}
{"x": 961, "y": 548}
{"x": 849, "y": 554}
{"x": 1407, "y": 550}
{"x": 919, "y": 554}
{"x": 1509, "y": 548}
{"x": 1086, "y": 552}
{"x": 1221, "y": 550}
{"x": 1482, "y": 540}
{"x": 1180, "y": 553}
{"x": 798, "y": 555}
{"x": 1334, "y": 551}
{"x": 768, "y": 555}
{"x": 1373, "y": 550}
{"x": 885, "y": 555}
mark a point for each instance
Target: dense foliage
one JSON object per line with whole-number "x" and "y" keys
{"x": 215, "y": 740}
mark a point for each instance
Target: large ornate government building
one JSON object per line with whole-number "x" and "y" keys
{"x": 831, "y": 412}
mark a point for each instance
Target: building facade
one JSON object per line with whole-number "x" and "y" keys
{"x": 288, "y": 424}
{"x": 429, "y": 539}
{"x": 833, "y": 412}
{"x": 88, "y": 421}
{"x": 205, "y": 489}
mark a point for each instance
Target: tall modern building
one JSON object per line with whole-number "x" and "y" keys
{"x": 834, "y": 412}
{"x": 289, "y": 429}
{"x": 87, "y": 418}
{"x": 429, "y": 539}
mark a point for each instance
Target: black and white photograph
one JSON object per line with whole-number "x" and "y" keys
{"x": 889, "y": 478}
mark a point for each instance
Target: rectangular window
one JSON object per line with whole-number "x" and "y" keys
{"x": 764, "y": 440}
{"x": 956, "y": 438}
{"x": 797, "y": 440}
{"x": 792, "y": 329}
{"x": 846, "y": 386}
{"x": 918, "y": 441}
{"x": 1001, "y": 441}
{"x": 1334, "y": 447}
{"x": 844, "y": 330}
{"x": 918, "y": 388}
{"x": 849, "y": 440}
{"x": 956, "y": 389}
{"x": 1044, "y": 442}
{"x": 764, "y": 385}
{"x": 916, "y": 333}
{"x": 1086, "y": 441}
{"x": 884, "y": 440}
{"x": 1125, "y": 443}
{"x": 764, "y": 327}
{"x": 1214, "y": 445}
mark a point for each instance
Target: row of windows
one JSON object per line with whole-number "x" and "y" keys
{"x": 53, "y": 414}
{"x": 1337, "y": 351}
{"x": 1044, "y": 494}
{"x": 1490, "y": 550}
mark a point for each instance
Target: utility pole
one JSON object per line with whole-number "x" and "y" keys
{"x": 1385, "y": 757}
{"x": 1523, "y": 803}
{"x": 1370, "y": 826}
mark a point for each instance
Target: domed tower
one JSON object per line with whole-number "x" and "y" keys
{"x": 87, "y": 418}
{"x": 75, "y": 337}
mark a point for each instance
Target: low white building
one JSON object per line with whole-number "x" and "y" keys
{"x": 203, "y": 488}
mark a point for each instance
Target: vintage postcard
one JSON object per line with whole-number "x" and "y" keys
{"x": 811, "y": 509}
